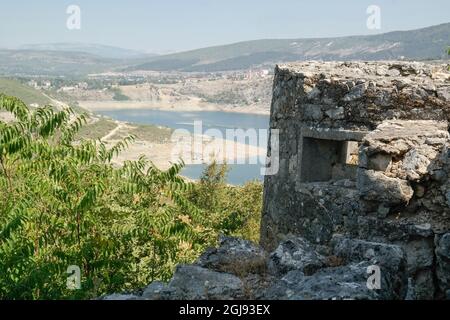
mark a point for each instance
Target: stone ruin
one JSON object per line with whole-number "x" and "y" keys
{"x": 364, "y": 153}
{"x": 363, "y": 182}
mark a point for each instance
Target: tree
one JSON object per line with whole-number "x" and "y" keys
{"x": 63, "y": 203}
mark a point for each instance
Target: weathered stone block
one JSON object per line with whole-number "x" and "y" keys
{"x": 419, "y": 253}
{"x": 295, "y": 254}
{"x": 197, "y": 283}
{"x": 443, "y": 261}
{"x": 386, "y": 255}
{"x": 339, "y": 283}
{"x": 379, "y": 162}
{"x": 423, "y": 283}
{"x": 234, "y": 255}
{"x": 375, "y": 186}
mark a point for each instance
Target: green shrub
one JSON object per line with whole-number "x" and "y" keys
{"x": 235, "y": 210}
{"x": 119, "y": 96}
{"x": 63, "y": 203}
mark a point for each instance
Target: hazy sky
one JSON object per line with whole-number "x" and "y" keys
{"x": 168, "y": 25}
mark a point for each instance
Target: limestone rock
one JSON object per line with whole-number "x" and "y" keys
{"x": 348, "y": 281}
{"x": 416, "y": 162}
{"x": 235, "y": 256}
{"x": 336, "y": 113}
{"x": 355, "y": 93}
{"x": 396, "y": 137}
{"x": 339, "y": 283}
{"x": 443, "y": 261}
{"x": 387, "y": 255}
{"x": 390, "y": 230}
{"x": 420, "y": 254}
{"x": 121, "y": 297}
{"x": 424, "y": 285}
{"x": 295, "y": 254}
{"x": 375, "y": 186}
{"x": 447, "y": 197}
{"x": 312, "y": 112}
{"x": 380, "y": 162}
{"x": 197, "y": 283}
{"x": 391, "y": 260}
{"x": 157, "y": 291}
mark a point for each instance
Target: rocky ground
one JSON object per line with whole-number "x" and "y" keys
{"x": 295, "y": 270}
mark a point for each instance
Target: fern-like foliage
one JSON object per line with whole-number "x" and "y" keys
{"x": 63, "y": 203}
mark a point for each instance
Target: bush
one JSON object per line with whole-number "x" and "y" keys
{"x": 235, "y": 210}
{"x": 119, "y": 96}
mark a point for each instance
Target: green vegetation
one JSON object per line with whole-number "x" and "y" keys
{"x": 67, "y": 99}
{"x": 235, "y": 209}
{"x": 23, "y": 92}
{"x": 118, "y": 95}
{"x": 151, "y": 133}
{"x": 53, "y": 63}
{"x": 103, "y": 126}
{"x": 448, "y": 54}
{"x": 232, "y": 96}
{"x": 96, "y": 130}
{"x": 62, "y": 203}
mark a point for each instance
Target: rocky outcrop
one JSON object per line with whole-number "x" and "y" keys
{"x": 197, "y": 283}
{"x": 339, "y": 283}
{"x": 443, "y": 263}
{"x": 296, "y": 270}
{"x": 236, "y": 256}
{"x": 398, "y": 156}
{"x": 397, "y": 164}
{"x": 391, "y": 259}
{"x": 295, "y": 254}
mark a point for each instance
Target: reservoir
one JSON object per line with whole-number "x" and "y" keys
{"x": 239, "y": 173}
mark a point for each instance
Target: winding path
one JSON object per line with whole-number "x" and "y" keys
{"x": 120, "y": 125}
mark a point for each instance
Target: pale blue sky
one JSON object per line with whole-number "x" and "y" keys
{"x": 187, "y": 24}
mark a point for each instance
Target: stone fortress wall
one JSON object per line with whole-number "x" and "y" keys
{"x": 364, "y": 152}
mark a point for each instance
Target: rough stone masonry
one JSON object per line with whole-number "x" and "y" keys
{"x": 364, "y": 152}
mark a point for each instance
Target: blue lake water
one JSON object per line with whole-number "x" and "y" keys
{"x": 239, "y": 173}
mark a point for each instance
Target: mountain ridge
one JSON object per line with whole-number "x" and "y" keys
{"x": 78, "y": 59}
{"x": 430, "y": 44}
{"x": 105, "y": 51}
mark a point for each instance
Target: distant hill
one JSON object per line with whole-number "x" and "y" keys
{"x": 66, "y": 59}
{"x": 420, "y": 44}
{"x": 94, "y": 49}
{"x": 56, "y": 63}
{"x": 63, "y": 59}
{"x": 23, "y": 92}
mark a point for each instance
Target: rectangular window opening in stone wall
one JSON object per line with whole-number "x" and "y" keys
{"x": 326, "y": 160}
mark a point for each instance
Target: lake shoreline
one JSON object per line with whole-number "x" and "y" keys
{"x": 94, "y": 106}
{"x": 162, "y": 153}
